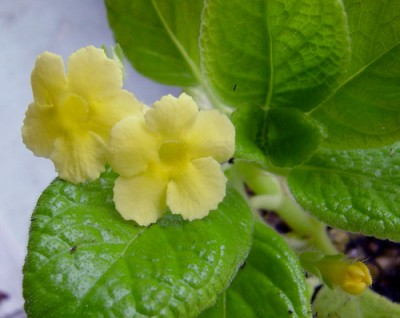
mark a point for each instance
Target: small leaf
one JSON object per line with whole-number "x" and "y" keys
{"x": 269, "y": 284}
{"x": 84, "y": 260}
{"x": 292, "y": 136}
{"x": 356, "y": 190}
{"x": 160, "y": 38}
{"x": 336, "y": 303}
{"x": 274, "y": 53}
{"x": 251, "y": 134}
{"x": 364, "y": 111}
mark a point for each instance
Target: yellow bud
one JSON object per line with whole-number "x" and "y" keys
{"x": 353, "y": 278}
{"x": 356, "y": 279}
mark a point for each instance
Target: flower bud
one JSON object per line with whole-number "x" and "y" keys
{"x": 353, "y": 278}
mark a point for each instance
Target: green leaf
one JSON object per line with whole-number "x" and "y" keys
{"x": 292, "y": 136}
{"x": 84, "y": 260}
{"x": 160, "y": 38}
{"x": 269, "y": 284}
{"x": 356, "y": 190}
{"x": 286, "y": 136}
{"x": 251, "y": 135}
{"x": 336, "y": 304}
{"x": 286, "y": 53}
{"x": 364, "y": 111}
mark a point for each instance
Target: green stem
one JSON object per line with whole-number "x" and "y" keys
{"x": 302, "y": 223}
{"x": 272, "y": 194}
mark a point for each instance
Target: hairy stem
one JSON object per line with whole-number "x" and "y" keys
{"x": 272, "y": 193}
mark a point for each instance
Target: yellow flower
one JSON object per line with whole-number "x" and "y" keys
{"x": 353, "y": 278}
{"x": 72, "y": 114}
{"x": 170, "y": 157}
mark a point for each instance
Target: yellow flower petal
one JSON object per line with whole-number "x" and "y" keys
{"x": 79, "y": 158}
{"x": 48, "y": 79}
{"x": 110, "y": 110}
{"x": 171, "y": 116}
{"x": 39, "y": 130}
{"x": 199, "y": 189}
{"x": 141, "y": 198}
{"x": 91, "y": 74}
{"x": 212, "y": 135}
{"x": 132, "y": 146}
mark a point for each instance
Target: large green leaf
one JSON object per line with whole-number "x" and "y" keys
{"x": 159, "y": 37}
{"x": 356, "y": 190}
{"x": 270, "y": 284}
{"x": 365, "y": 109}
{"x": 84, "y": 260}
{"x": 336, "y": 304}
{"x": 268, "y": 53}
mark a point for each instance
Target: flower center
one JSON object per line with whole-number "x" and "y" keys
{"x": 73, "y": 114}
{"x": 172, "y": 152}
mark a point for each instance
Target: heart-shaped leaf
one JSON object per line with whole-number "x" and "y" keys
{"x": 84, "y": 260}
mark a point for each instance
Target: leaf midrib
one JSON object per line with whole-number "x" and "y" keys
{"x": 192, "y": 65}
{"x": 352, "y": 77}
{"x": 133, "y": 239}
{"x": 197, "y": 73}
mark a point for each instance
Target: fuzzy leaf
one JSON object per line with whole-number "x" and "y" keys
{"x": 356, "y": 190}
{"x": 269, "y": 284}
{"x": 84, "y": 260}
{"x": 293, "y": 136}
{"x": 285, "y": 53}
{"x": 364, "y": 111}
{"x": 336, "y": 303}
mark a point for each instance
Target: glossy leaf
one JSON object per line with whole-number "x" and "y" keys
{"x": 84, "y": 260}
{"x": 269, "y": 284}
{"x": 336, "y": 303}
{"x": 364, "y": 111}
{"x": 159, "y": 37}
{"x": 356, "y": 190}
{"x": 285, "y": 53}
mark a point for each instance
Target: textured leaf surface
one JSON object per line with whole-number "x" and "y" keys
{"x": 159, "y": 37}
{"x": 84, "y": 259}
{"x": 293, "y": 136}
{"x": 270, "y": 283}
{"x": 365, "y": 109}
{"x": 251, "y": 134}
{"x": 356, "y": 190}
{"x": 336, "y": 304}
{"x": 274, "y": 53}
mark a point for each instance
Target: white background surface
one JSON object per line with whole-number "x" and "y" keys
{"x": 27, "y": 28}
